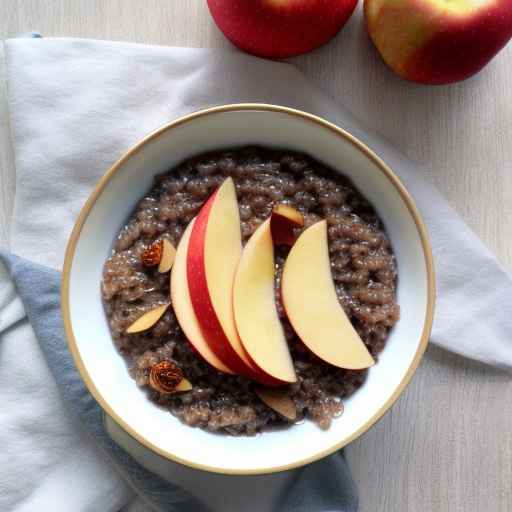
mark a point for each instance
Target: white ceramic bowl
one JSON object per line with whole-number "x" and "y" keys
{"x": 107, "y": 210}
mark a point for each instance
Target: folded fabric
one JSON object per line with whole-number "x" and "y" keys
{"x": 46, "y": 461}
{"x": 67, "y": 131}
{"x": 75, "y": 107}
{"x": 325, "y": 486}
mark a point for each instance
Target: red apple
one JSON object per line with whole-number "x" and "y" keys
{"x": 280, "y": 28}
{"x": 182, "y": 305}
{"x": 214, "y": 251}
{"x": 438, "y": 41}
{"x": 283, "y": 221}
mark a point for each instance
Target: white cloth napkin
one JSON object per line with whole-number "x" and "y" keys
{"x": 76, "y": 106}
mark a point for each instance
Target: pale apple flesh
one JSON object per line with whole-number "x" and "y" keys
{"x": 438, "y": 41}
{"x": 312, "y": 306}
{"x": 182, "y": 304}
{"x": 280, "y": 28}
{"x": 278, "y": 400}
{"x": 255, "y": 310}
{"x": 214, "y": 251}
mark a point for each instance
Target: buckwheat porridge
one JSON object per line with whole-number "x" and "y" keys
{"x": 362, "y": 263}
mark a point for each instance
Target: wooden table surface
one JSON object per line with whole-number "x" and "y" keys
{"x": 447, "y": 444}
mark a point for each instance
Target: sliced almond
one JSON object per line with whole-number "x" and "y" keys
{"x": 279, "y": 401}
{"x": 168, "y": 255}
{"x": 184, "y": 385}
{"x": 147, "y": 320}
{"x": 181, "y": 387}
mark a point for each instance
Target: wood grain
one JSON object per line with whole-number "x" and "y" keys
{"x": 447, "y": 444}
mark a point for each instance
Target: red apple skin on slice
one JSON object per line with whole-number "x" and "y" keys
{"x": 214, "y": 252}
{"x": 283, "y": 221}
{"x": 182, "y": 305}
{"x": 312, "y": 306}
{"x": 254, "y": 304}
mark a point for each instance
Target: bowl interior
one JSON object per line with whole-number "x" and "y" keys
{"x": 104, "y": 369}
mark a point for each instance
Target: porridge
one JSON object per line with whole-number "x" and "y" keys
{"x": 363, "y": 269}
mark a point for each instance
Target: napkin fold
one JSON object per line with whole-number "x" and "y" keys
{"x": 75, "y": 107}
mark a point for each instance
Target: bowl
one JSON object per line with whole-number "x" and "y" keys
{"x": 106, "y": 211}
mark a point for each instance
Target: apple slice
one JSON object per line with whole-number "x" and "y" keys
{"x": 312, "y": 306}
{"x": 279, "y": 401}
{"x": 284, "y": 219}
{"x": 255, "y": 308}
{"x": 182, "y": 305}
{"x": 213, "y": 254}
